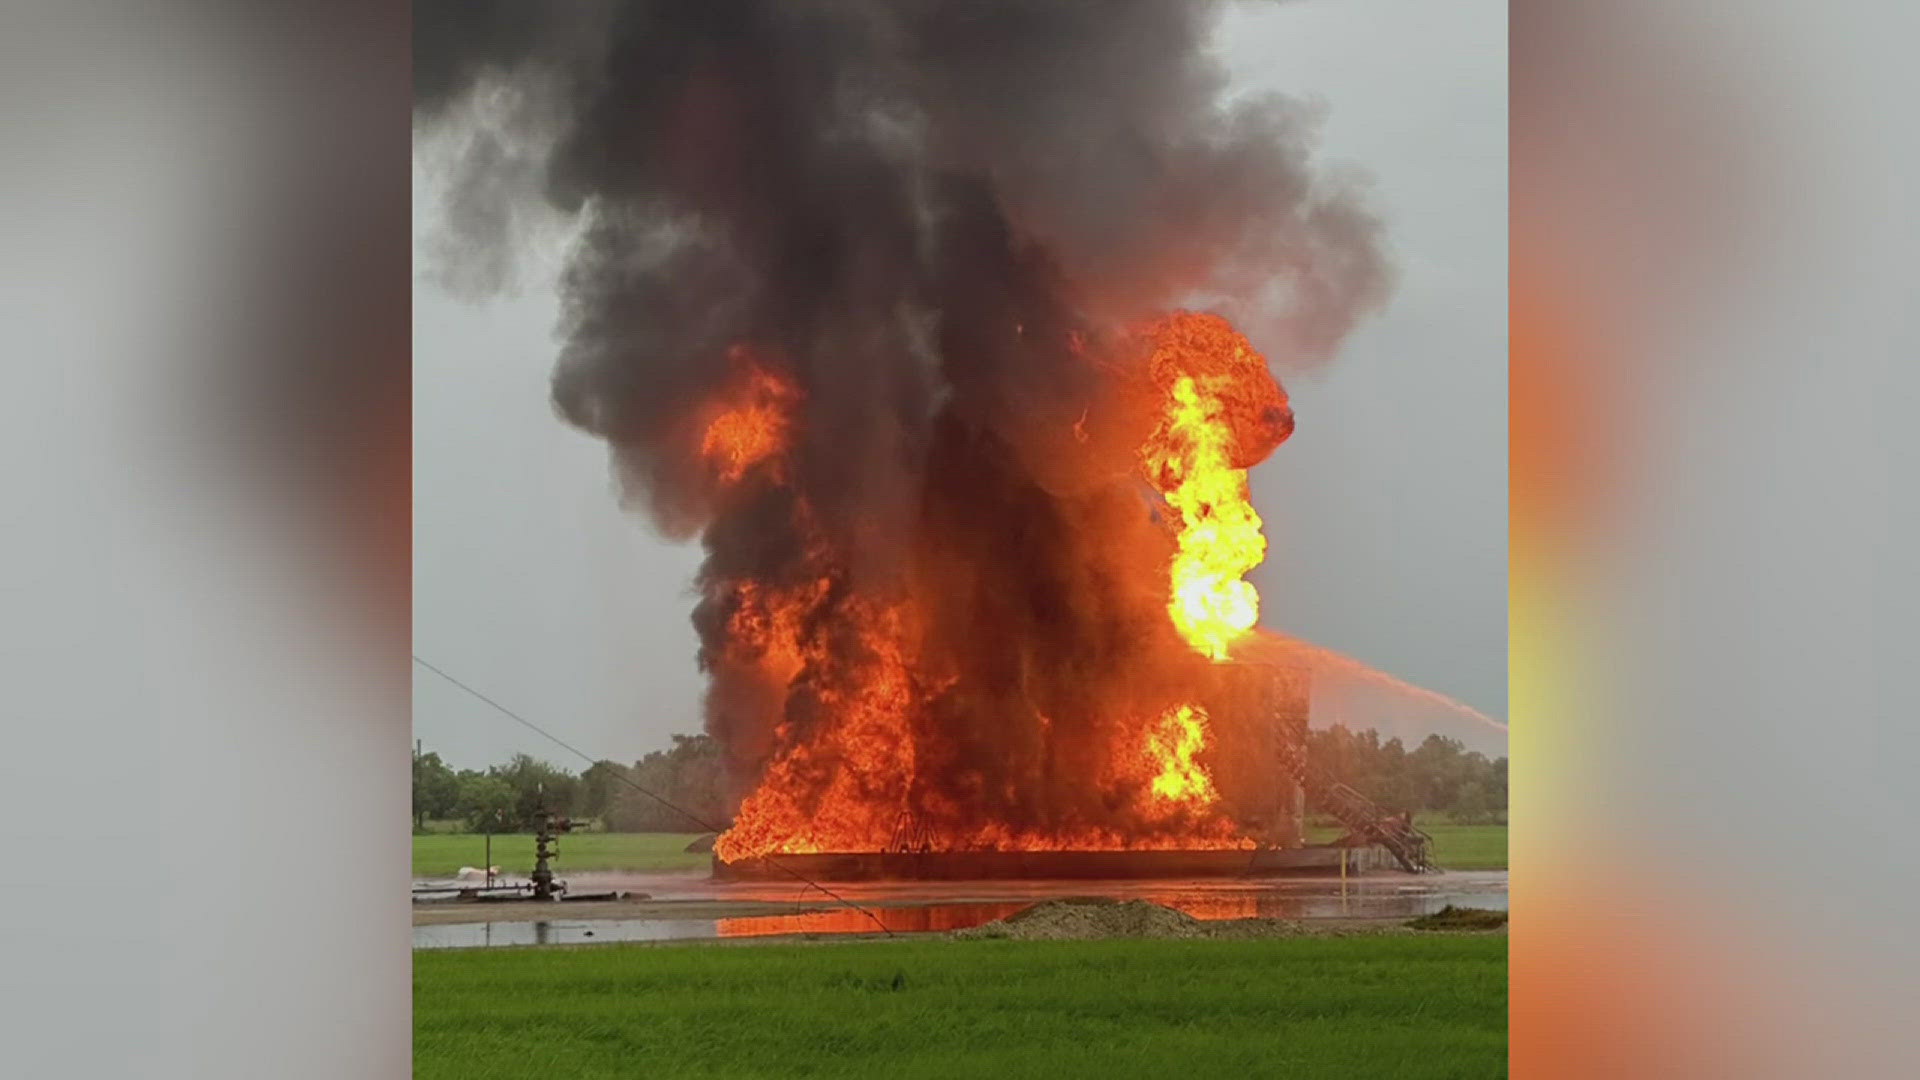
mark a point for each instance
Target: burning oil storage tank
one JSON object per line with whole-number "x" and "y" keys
{"x": 1259, "y": 714}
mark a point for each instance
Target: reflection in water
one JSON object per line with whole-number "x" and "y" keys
{"x": 1217, "y": 907}
{"x": 932, "y": 917}
{"x": 847, "y": 921}
{"x": 560, "y": 932}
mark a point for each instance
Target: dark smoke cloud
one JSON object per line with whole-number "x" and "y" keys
{"x": 939, "y": 217}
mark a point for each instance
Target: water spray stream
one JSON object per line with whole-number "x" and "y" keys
{"x": 1321, "y": 658}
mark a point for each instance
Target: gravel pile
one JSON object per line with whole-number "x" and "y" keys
{"x": 1089, "y": 917}
{"x": 1265, "y": 928}
{"x": 1084, "y": 917}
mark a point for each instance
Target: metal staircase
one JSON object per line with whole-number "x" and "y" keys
{"x": 911, "y": 836}
{"x": 1364, "y": 818}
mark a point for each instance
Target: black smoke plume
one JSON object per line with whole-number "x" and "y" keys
{"x": 940, "y": 219}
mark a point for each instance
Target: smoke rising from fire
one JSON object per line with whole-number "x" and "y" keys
{"x": 874, "y": 299}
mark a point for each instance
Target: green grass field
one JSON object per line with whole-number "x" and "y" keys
{"x": 1372, "y": 1006}
{"x": 1469, "y": 847}
{"x": 443, "y": 854}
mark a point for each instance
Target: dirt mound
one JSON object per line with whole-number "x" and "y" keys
{"x": 1089, "y": 917}
{"x": 1265, "y": 928}
{"x": 1082, "y": 917}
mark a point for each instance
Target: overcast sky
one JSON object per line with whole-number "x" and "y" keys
{"x": 1386, "y": 511}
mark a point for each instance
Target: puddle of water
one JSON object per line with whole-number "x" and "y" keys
{"x": 1402, "y": 902}
{"x": 560, "y": 932}
{"x": 899, "y": 920}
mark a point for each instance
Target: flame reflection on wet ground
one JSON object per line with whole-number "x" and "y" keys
{"x": 914, "y": 907}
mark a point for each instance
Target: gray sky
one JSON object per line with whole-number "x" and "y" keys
{"x": 1386, "y": 512}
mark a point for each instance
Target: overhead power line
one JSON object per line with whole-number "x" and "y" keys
{"x": 627, "y": 780}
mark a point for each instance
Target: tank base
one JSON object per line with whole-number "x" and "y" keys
{"x": 1051, "y": 865}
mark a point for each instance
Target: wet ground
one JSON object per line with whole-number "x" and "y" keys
{"x": 692, "y": 907}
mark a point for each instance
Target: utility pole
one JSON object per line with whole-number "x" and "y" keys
{"x": 419, "y": 816}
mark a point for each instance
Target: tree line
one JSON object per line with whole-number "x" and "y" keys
{"x": 1439, "y": 774}
{"x": 506, "y": 798}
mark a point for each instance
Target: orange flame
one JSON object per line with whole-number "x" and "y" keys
{"x": 846, "y": 781}
{"x": 1174, "y": 742}
{"x": 754, "y": 423}
{"x": 842, "y": 772}
{"x": 1224, "y": 411}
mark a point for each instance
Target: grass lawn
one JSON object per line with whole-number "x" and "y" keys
{"x": 443, "y": 854}
{"x": 1372, "y": 1006}
{"x": 1469, "y": 847}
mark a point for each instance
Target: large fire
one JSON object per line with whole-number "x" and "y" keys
{"x": 972, "y": 499}
{"x": 1220, "y": 401}
{"x": 854, "y": 761}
